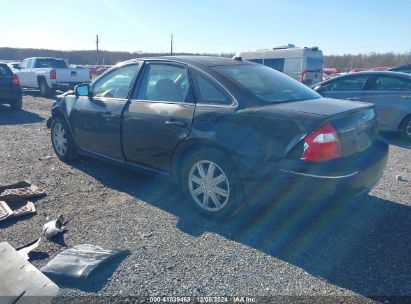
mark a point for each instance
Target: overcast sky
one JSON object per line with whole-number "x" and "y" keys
{"x": 345, "y": 26}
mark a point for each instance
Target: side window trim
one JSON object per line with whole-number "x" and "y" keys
{"x": 207, "y": 76}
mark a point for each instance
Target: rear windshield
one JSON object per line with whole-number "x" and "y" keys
{"x": 51, "y": 63}
{"x": 314, "y": 64}
{"x": 4, "y": 70}
{"x": 267, "y": 84}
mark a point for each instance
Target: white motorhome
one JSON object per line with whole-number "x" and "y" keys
{"x": 304, "y": 64}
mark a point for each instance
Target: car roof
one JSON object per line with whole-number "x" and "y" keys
{"x": 199, "y": 61}
{"x": 368, "y": 73}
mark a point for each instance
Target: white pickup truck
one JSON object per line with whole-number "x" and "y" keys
{"x": 50, "y": 74}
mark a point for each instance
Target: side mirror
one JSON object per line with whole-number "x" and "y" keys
{"x": 82, "y": 90}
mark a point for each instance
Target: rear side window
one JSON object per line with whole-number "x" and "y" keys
{"x": 5, "y": 70}
{"x": 352, "y": 83}
{"x": 164, "y": 82}
{"x": 50, "y": 63}
{"x": 260, "y": 61}
{"x": 208, "y": 92}
{"x": 314, "y": 64}
{"x": 387, "y": 83}
{"x": 276, "y": 63}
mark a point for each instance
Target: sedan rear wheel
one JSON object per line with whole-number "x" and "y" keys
{"x": 209, "y": 186}
{"x": 212, "y": 184}
{"x": 406, "y": 129}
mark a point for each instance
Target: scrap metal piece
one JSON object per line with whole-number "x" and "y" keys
{"x": 20, "y": 281}
{"x": 20, "y": 190}
{"x": 5, "y": 211}
{"x": 79, "y": 262}
{"x": 21, "y": 207}
{"x": 15, "y": 208}
{"x": 55, "y": 227}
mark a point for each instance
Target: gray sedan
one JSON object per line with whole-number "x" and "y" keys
{"x": 389, "y": 91}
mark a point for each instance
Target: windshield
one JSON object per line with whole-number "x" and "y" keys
{"x": 267, "y": 84}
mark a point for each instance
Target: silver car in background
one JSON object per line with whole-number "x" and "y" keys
{"x": 389, "y": 91}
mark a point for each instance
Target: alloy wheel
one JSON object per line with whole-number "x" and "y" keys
{"x": 209, "y": 186}
{"x": 60, "y": 139}
{"x": 408, "y": 129}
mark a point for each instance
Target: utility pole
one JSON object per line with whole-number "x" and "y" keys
{"x": 171, "y": 50}
{"x": 97, "y": 42}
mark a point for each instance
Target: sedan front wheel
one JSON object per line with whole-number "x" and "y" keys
{"x": 62, "y": 141}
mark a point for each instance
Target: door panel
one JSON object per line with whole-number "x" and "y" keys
{"x": 392, "y": 98}
{"x": 159, "y": 116}
{"x": 390, "y": 106}
{"x": 96, "y": 125}
{"x": 96, "y": 120}
{"x": 151, "y": 131}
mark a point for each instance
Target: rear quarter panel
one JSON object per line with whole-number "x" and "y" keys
{"x": 249, "y": 137}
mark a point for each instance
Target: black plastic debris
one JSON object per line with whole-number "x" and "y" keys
{"x": 80, "y": 266}
{"x": 25, "y": 250}
{"x": 20, "y": 281}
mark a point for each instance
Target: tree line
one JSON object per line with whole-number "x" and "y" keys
{"x": 342, "y": 62}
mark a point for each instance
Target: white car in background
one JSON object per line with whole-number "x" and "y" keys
{"x": 50, "y": 74}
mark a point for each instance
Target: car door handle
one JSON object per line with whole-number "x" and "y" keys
{"x": 108, "y": 115}
{"x": 406, "y": 97}
{"x": 175, "y": 123}
{"x": 353, "y": 98}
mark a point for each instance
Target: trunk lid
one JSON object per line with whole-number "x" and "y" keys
{"x": 6, "y": 78}
{"x": 356, "y": 122}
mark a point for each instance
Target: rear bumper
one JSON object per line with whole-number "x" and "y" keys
{"x": 66, "y": 85}
{"x": 14, "y": 94}
{"x": 296, "y": 180}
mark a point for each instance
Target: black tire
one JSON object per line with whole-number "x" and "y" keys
{"x": 229, "y": 204}
{"x": 16, "y": 104}
{"x": 45, "y": 90}
{"x": 70, "y": 151}
{"x": 406, "y": 128}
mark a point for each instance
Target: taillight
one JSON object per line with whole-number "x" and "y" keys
{"x": 16, "y": 80}
{"x": 303, "y": 74}
{"x": 53, "y": 74}
{"x": 323, "y": 144}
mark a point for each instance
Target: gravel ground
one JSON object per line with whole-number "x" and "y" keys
{"x": 355, "y": 249}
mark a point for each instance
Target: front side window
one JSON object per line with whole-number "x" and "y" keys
{"x": 208, "y": 92}
{"x": 315, "y": 64}
{"x": 30, "y": 63}
{"x": 387, "y": 83}
{"x": 115, "y": 84}
{"x": 164, "y": 82}
{"x": 267, "y": 84}
{"x": 275, "y": 63}
{"x": 351, "y": 83}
